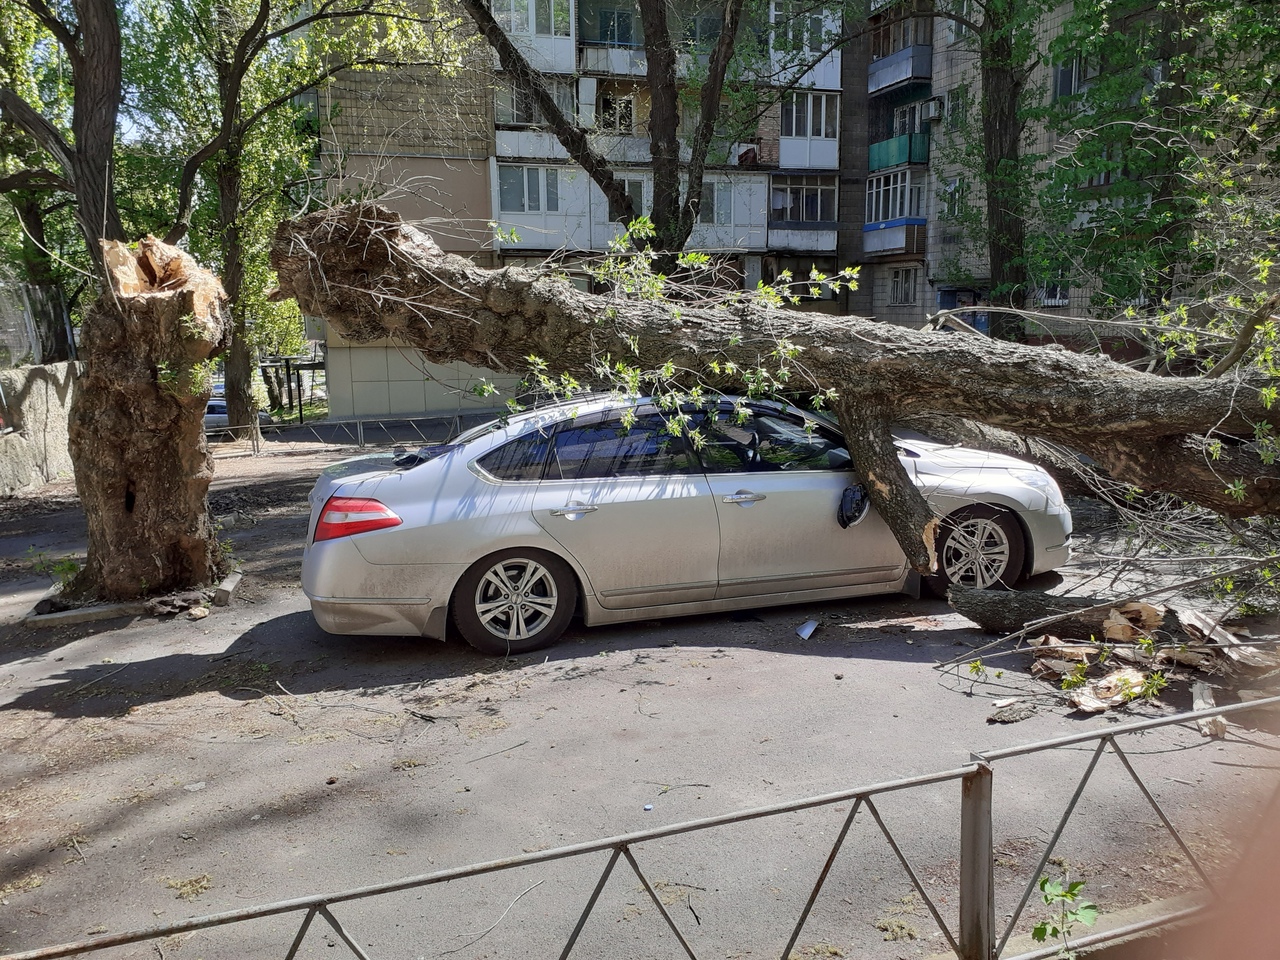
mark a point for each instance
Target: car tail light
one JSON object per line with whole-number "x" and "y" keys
{"x": 345, "y": 516}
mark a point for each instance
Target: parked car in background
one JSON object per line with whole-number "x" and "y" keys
{"x": 598, "y": 507}
{"x": 216, "y": 421}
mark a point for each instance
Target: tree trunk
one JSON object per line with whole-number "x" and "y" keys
{"x": 136, "y": 428}
{"x": 372, "y": 276}
{"x": 664, "y": 118}
{"x": 1003, "y": 83}
{"x": 242, "y": 415}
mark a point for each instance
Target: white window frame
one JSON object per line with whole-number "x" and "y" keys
{"x": 800, "y": 190}
{"x": 555, "y": 27}
{"x": 635, "y": 189}
{"x": 906, "y": 119}
{"x": 903, "y": 286}
{"x": 526, "y": 18}
{"x": 893, "y": 196}
{"x": 510, "y": 101}
{"x": 801, "y": 110}
{"x": 544, "y": 181}
{"x": 802, "y": 26}
{"x": 611, "y": 120}
{"x": 719, "y": 211}
{"x": 1055, "y": 294}
{"x": 953, "y": 197}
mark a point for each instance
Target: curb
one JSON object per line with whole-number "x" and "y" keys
{"x": 222, "y": 597}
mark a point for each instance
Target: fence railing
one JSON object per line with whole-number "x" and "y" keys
{"x": 976, "y": 936}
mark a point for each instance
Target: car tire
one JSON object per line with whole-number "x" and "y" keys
{"x": 497, "y": 619}
{"x": 978, "y": 546}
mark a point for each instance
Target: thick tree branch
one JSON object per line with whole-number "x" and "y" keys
{"x": 41, "y": 130}
{"x": 372, "y": 276}
{"x": 40, "y": 179}
{"x": 1245, "y": 337}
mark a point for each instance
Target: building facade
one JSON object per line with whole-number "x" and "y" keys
{"x": 856, "y": 159}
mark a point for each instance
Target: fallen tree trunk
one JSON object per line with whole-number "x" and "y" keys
{"x": 372, "y": 276}
{"x": 1074, "y": 618}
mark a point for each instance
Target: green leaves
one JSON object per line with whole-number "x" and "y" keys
{"x": 1062, "y": 897}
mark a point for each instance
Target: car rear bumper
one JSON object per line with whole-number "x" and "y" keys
{"x": 380, "y": 618}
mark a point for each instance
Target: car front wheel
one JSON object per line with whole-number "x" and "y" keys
{"x": 514, "y": 601}
{"x": 978, "y": 546}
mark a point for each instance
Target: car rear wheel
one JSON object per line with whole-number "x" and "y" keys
{"x": 978, "y": 546}
{"x": 514, "y": 601}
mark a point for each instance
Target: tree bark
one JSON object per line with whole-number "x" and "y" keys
{"x": 136, "y": 428}
{"x": 1003, "y": 83}
{"x": 242, "y": 416}
{"x": 371, "y": 276}
{"x": 1083, "y": 618}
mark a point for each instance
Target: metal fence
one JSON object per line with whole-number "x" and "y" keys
{"x": 975, "y": 936}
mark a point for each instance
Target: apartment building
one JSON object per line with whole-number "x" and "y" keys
{"x": 858, "y": 161}
{"x": 470, "y": 159}
{"x": 768, "y": 204}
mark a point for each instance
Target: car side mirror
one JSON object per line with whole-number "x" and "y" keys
{"x": 854, "y": 504}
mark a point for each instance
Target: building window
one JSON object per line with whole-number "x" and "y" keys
{"x": 635, "y": 190}
{"x": 895, "y": 31}
{"x": 528, "y": 189}
{"x": 902, "y": 285}
{"x": 1072, "y": 78}
{"x": 798, "y": 25}
{"x": 702, "y": 31}
{"x": 616, "y": 114}
{"x": 892, "y": 196}
{"x": 953, "y": 197}
{"x": 1107, "y": 165}
{"x": 551, "y": 18}
{"x": 716, "y": 205}
{"x": 617, "y": 28}
{"x": 543, "y": 18}
{"x": 809, "y": 199}
{"x": 512, "y": 106}
{"x": 966, "y": 9}
{"x": 1055, "y": 294}
{"x": 957, "y": 106}
{"x": 906, "y": 119}
{"x": 812, "y": 115}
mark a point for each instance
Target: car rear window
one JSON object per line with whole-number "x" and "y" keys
{"x": 521, "y": 459}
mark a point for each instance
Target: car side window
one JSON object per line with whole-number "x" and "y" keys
{"x": 612, "y": 449}
{"x": 521, "y": 459}
{"x": 759, "y": 442}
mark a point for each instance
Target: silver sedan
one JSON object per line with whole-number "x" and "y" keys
{"x": 602, "y": 507}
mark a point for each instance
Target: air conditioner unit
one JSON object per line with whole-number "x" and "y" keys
{"x": 931, "y": 109}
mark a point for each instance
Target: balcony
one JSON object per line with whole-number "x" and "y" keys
{"x": 908, "y": 148}
{"x": 909, "y": 65}
{"x": 889, "y": 237}
{"x": 612, "y": 58}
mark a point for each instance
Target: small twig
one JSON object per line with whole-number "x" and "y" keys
{"x": 668, "y": 787}
{"x": 76, "y": 843}
{"x": 494, "y": 754}
{"x": 689, "y": 902}
{"x": 96, "y": 679}
{"x": 228, "y": 656}
{"x": 495, "y": 923}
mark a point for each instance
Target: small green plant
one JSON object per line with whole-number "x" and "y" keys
{"x": 61, "y": 570}
{"x": 1077, "y": 677}
{"x": 1068, "y": 911}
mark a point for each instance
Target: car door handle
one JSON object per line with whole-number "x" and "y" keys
{"x": 743, "y": 496}
{"x": 572, "y": 509}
